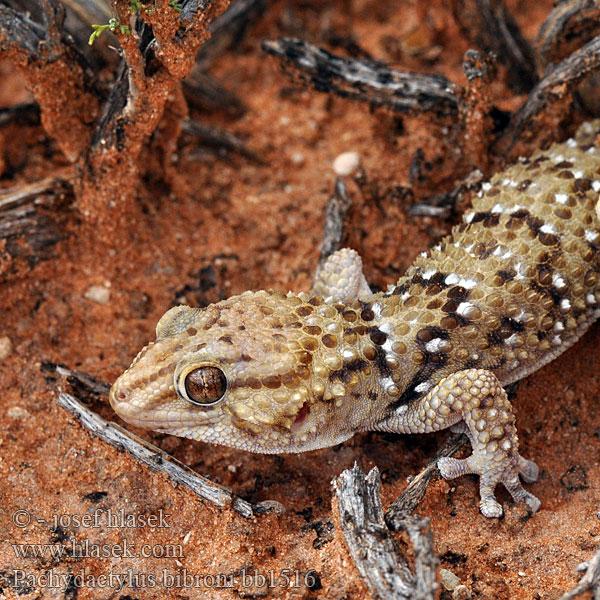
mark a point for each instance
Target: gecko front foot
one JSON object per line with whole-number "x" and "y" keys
{"x": 494, "y": 468}
{"x": 473, "y": 402}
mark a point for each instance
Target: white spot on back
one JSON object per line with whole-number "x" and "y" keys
{"x": 434, "y": 345}
{"x": 547, "y": 228}
{"x": 561, "y": 198}
{"x": 464, "y": 308}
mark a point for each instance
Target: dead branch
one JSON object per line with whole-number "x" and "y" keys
{"x": 570, "y": 24}
{"x": 335, "y": 216}
{"x": 445, "y": 204}
{"x": 489, "y": 25}
{"x": 476, "y": 108}
{"x": 376, "y": 556}
{"x": 223, "y": 141}
{"x": 158, "y": 53}
{"x": 365, "y": 80}
{"x": 552, "y": 92}
{"x": 32, "y": 220}
{"x": 153, "y": 457}
{"x": 205, "y": 93}
{"x": 49, "y": 59}
{"x": 228, "y": 29}
{"x": 589, "y": 582}
{"x": 21, "y": 114}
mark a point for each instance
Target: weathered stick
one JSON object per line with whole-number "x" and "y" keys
{"x": 335, "y": 216}
{"x": 489, "y": 25}
{"x": 219, "y": 139}
{"x": 365, "y": 80}
{"x": 377, "y": 558}
{"x": 589, "y": 582}
{"x": 407, "y": 502}
{"x": 36, "y": 214}
{"x": 551, "y": 92}
{"x": 570, "y": 22}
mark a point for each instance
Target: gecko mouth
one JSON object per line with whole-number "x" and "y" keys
{"x": 302, "y": 415}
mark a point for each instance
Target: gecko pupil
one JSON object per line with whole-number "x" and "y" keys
{"x": 205, "y": 385}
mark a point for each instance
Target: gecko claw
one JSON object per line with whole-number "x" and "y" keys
{"x": 491, "y": 475}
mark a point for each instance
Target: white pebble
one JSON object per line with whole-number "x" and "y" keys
{"x": 17, "y": 412}
{"x": 346, "y": 163}
{"x": 448, "y": 579}
{"x": 297, "y": 158}
{"x": 99, "y": 294}
{"x": 5, "y": 347}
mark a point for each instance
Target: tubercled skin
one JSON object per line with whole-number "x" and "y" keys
{"x": 512, "y": 287}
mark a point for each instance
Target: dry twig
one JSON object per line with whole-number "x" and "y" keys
{"x": 33, "y": 218}
{"x": 589, "y": 582}
{"x": 489, "y": 25}
{"x": 384, "y": 569}
{"x": 335, "y": 216}
{"x": 365, "y": 80}
{"x": 223, "y": 141}
{"x": 553, "y": 91}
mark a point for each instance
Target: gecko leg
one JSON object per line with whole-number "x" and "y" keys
{"x": 475, "y": 403}
{"x": 340, "y": 278}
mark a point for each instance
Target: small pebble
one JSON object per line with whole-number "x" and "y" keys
{"x": 99, "y": 294}
{"x": 297, "y": 158}
{"x": 461, "y": 592}
{"x": 17, "y": 412}
{"x": 346, "y": 163}
{"x": 5, "y": 347}
{"x": 449, "y": 579}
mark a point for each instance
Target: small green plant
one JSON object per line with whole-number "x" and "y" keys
{"x": 175, "y": 5}
{"x": 135, "y": 6}
{"x": 113, "y": 25}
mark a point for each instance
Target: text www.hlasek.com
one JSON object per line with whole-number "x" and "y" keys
{"x": 86, "y": 549}
{"x": 181, "y": 578}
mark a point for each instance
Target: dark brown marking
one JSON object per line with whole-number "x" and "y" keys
{"x": 377, "y": 336}
{"x": 329, "y": 341}
{"x": 226, "y": 339}
{"x": 524, "y": 185}
{"x": 367, "y": 314}
{"x": 582, "y": 185}
{"x": 506, "y": 275}
{"x": 345, "y": 373}
{"x": 566, "y": 175}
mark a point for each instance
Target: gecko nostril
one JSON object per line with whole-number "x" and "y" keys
{"x": 122, "y": 396}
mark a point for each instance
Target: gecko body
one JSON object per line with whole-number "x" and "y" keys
{"x": 510, "y": 288}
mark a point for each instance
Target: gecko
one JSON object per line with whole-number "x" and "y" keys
{"x": 514, "y": 285}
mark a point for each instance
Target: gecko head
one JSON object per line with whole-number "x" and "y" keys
{"x": 245, "y": 372}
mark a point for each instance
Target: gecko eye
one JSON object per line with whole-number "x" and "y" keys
{"x": 205, "y": 385}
